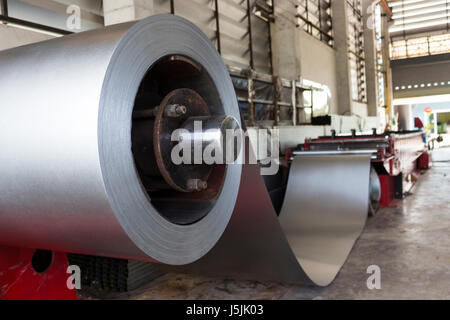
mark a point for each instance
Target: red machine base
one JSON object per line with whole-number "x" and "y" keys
{"x": 387, "y": 191}
{"x": 393, "y": 187}
{"x": 28, "y": 274}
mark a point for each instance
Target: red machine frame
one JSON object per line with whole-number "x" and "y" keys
{"x": 21, "y": 279}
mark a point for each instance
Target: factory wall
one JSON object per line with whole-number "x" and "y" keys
{"x": 318, "y": 64}
{"x": 359, "y": 109}
{"x": 295, "y": 53}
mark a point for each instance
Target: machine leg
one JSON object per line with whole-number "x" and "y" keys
{"x": 387, "y": 190}
{"x": 424, "y": 161}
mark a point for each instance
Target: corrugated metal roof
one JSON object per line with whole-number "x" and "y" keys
{"x": 419, "y": 17}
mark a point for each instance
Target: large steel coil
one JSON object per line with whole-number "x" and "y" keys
{"x": 77, "y": 168}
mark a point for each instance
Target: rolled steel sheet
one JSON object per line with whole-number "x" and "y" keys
{"x": 68, "y": 180}
{"x": 324, "y": 212}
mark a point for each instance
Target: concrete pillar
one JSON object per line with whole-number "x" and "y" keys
{"x": 386, "y": 57}
{"x": 285, "y": 42}
{"x": 118, "y": 11}
{"x": 340, "y": 22}
{"x": 370, "y": 55}
{"x": 405, "y": 117}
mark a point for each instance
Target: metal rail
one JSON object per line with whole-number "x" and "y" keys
{"x": 6, "y": 19}
{"x": 334, "y": 153}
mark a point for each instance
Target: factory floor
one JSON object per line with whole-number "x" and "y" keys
{"x": 410, "y": 244}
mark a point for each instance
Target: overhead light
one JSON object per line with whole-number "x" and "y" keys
{"x": 423, "y": 99}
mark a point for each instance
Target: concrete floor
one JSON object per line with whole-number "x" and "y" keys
{"x": 410, "y": 244}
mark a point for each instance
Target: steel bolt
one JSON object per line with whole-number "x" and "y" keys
{"x": 175, "y": 110}
{"x": 196, "y": 185}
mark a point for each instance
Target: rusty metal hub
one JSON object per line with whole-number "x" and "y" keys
{"x": 178, "y": 93}
{"x": 176, "y": 108}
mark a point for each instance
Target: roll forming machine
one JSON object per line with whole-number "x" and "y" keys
{"x": 397, "y": 160}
